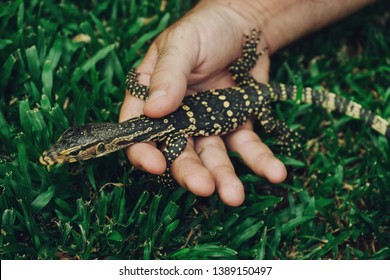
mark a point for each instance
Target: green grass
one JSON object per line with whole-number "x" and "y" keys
{"x": 335, "y": 203}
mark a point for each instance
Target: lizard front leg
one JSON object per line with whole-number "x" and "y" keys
{"x": 175, "y": 145}
{"x": 134, "y": 87}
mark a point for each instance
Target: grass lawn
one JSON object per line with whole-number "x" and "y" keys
{"x": 64, "y": 65}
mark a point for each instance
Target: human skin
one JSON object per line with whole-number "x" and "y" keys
{"x": 194, "y": 54}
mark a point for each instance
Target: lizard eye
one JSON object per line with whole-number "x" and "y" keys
{"x": 74, "y": 153}
{"x": 100, "y": 148}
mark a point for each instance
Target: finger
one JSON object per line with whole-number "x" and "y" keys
{"x": 256, "y": 155}
{"x": 131, "y": 107}
{"x": 147, "y": 157}
{"x": 148, "y": 64}
{"x": 177, "y": 53}
{"x": 190, "y": 173}
{"x": 261, "y": 69}
{"x": 214, "y": 156}
{"x": 144, "y": 156}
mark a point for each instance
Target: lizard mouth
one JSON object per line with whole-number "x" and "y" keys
{"x": 48, "y": 159}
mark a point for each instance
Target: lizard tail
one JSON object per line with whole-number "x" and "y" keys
{"x": 332, "y": 102}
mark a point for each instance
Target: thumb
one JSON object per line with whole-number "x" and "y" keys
{"x": 168, "y": 83}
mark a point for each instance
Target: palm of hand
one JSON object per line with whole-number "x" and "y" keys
{"x": 186, "y": 58}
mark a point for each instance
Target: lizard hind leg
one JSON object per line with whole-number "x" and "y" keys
{"x": 240, "y": 68}
{"x": 288, "y": 139}
{"x": 134, "y": 87}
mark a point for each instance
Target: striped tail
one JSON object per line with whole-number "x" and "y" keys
{"x": 332, "y": 102}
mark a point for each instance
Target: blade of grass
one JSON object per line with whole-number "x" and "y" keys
{"x": 43, "y": 199}
{"x": 99, "y": 55}
{"x": 33, "y": 63}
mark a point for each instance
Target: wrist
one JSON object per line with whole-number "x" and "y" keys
{"x": 244, "y": 15}
{"x": 284, "y": 21}
{"x": 241, "y": 16}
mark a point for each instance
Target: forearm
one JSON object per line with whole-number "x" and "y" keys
{"x": 284, "y": 21}
{"x": 288, "y": 20}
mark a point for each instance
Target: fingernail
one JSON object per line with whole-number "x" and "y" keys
{"x": 156, "y": 95}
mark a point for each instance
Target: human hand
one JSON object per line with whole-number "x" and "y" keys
{"x": 193, "y": 55}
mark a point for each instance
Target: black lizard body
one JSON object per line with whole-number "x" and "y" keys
{"x": 211, "y": 112}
